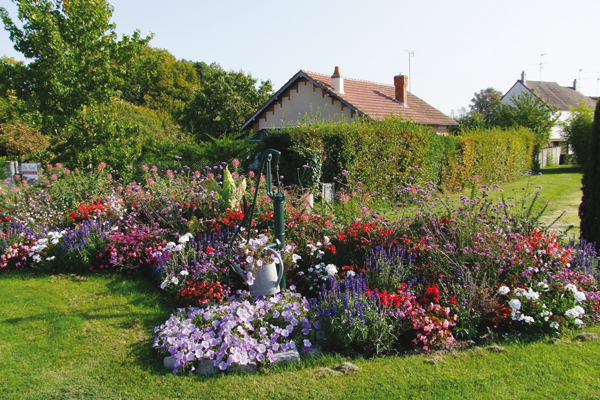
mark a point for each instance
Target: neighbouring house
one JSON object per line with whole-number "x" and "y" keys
{"x": 562, "y": 97}
{"x": 311, "y": 95}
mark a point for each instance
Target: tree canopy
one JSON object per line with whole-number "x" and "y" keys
{"x": 224, "y": 102}
{"x": 76, "y": 59}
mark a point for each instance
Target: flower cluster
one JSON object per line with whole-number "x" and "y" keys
{"x": 242, "y": 331}
{"x": 196, "y": 293}
{"x": 548, "y": 307}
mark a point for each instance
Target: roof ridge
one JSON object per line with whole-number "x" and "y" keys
{"x": 350, "y": 79}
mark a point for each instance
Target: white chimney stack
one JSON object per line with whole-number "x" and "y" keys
{"x": 574, "y": 84}
{"x": 523, "y": 77}
{"x": 337, "y": 80}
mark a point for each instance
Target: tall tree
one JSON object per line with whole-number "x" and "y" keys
{"x": 577, "y": 130}
{"x": 161, "y": 82}
{"x": 486, "y": 101}
{"x": 589, "y": 209}
{"x": 76, "y": 58}
{"x": 224, "y": 102}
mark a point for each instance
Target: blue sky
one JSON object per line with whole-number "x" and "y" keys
{"x": 460, "y": 47}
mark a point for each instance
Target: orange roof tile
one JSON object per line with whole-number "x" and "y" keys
{"x": 377, "y": 101}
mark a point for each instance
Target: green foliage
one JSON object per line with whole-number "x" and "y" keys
{"x": 578, "y": 131}
{"x": 528, "y": 111}
{"x": 380, "y": 156}
{"x": 224, "y": 102}
{"x": 589, "y": 210}
{"x": 161, "y": 82}
{"x": 76, "y": 58}
{"x": 97, "y": 134}
{"x": 20, "y": 141}
{"x": 494, "y": 155}
{"x": 486, "y": 101}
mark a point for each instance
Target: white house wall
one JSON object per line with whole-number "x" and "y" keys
{"x": 302, "y": 101}
{"x": 514, "y": 92}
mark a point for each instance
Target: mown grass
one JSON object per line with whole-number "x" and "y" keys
{"x": 70, "y": 337}
{"x": 560, "y": 191}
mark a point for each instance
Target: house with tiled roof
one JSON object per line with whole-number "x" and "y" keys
{"x": 311, "y": 95}
{"x": 562, "y": 97}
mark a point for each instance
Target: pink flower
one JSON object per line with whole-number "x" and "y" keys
{"x": 145, "y": 168}
{"x": 235, "y": 163}
{"x": 101, "y": 166}
{"x": 153, "y": 169}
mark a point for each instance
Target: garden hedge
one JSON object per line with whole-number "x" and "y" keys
{"x": 381, "y": 155}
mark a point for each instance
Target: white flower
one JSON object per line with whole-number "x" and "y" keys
{"x": 331, "y": 269}
{"x": 554, "y": 325}
{"x": 301, "y": 273}
{"x": 531, "y": 295}
{"x": 184, "y": 273}
{"x": 179, "y": 247}
{"x": 571, "y": 287}
{"x": 169, "y": 246}
{"x": 579, "y": 296}
{"x": 326, "y": 239}
{"x": 578, "y": 321}
{"x": 351, "y": 273}
{"x": 50, "y": 258}
{"x": 164, "y": 284}
{"x": 503, "y": 290}
{"x": 185, "y": 238}
{"x": 575, "y": 312}
{"x": 520, "y": 292}
{"x": 526, "y": 319}
{"x": 515, "y": 304}
{"x": 174, "y": 280}
{"x": 543, "y": 285}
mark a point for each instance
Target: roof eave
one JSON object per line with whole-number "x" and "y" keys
{"x": 298, "y": 75}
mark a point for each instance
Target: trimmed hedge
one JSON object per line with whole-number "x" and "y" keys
{"x": 382, "y": 155}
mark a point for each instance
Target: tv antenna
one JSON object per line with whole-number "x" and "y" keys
{"x": 541, "y": 65}
{"x": 411, "y": 53}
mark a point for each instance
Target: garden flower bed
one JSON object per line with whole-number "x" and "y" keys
{"x": 371, "y": 275}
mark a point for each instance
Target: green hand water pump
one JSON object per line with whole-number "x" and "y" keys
{"x": 266, "y": 159}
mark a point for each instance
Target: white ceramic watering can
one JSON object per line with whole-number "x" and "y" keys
{"x": 266, "y": 278}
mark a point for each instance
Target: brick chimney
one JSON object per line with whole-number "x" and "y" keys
{"x": 337, "y": 80}
{"x": 401, "y": 83}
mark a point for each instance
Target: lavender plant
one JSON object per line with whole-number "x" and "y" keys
{"x": 352, "y": 318}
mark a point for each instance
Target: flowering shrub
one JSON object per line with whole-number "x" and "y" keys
{"x": 548, "y": 308}
{"x": 203, "y": 257}
{"x": 197, "y": 292}
{"x": 243, "y": 331}
{"x": 351, "y": 317}
{"x": 132, "y": 249}
{"x": 85, "y": 212}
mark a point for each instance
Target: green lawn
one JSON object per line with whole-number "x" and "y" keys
{"x": 67, "y": 337}
{"x": 560, "y": 190}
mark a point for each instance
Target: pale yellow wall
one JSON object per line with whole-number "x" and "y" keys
{"x": 306, "y": 103}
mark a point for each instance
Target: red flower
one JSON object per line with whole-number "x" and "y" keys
{"x": 209, "y": 250}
